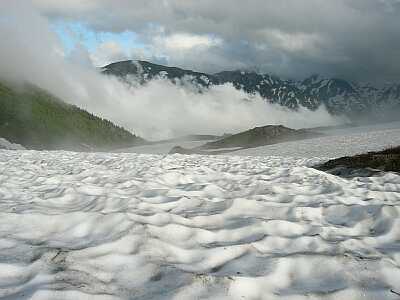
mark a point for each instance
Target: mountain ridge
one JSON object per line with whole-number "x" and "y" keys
{"x": 339, "y": 96}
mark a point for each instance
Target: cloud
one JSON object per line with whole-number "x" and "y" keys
{"x": 107, "y": 53}
{"x": 354, "y": 39}
{"x": 182, "y": 41}
{"x": 157, "y": 110}
{"x": 161, "y": 109}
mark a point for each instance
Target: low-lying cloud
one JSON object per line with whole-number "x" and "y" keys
{"x": 156, "y": 110}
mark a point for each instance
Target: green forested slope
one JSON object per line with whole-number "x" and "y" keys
{"x": 35, "y": 119}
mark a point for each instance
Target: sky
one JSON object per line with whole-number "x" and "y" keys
{"x": 351, "y": 39}
{"x": 60, "y": 54}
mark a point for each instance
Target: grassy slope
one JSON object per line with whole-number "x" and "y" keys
{"x": 37, "y": 120}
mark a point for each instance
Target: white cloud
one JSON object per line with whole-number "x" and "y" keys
{"x": 185, "y": 41}
{"x": 157, "y": 110}
{"x": 293, "y": 42}
{"x": 108, "y": 52}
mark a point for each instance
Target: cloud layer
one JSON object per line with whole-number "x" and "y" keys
{"x": 158, "y": 110}
{"x": 354, "y": 39}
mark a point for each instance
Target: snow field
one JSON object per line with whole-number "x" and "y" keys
{"x": 135, "y": 226}
{"x": 343, "y": 143}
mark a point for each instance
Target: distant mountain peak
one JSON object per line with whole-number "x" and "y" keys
{"x": 338, "y": 95}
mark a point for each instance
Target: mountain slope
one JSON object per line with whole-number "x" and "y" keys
{"x": 339, "y": 96}
{"x": 33, "y": 118}
{"x": 4, "y": 144}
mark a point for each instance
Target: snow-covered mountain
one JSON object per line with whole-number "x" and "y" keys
{"x": 338, "y": 95}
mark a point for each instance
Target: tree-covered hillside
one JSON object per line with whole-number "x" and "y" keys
{"x": 33, "y": 118}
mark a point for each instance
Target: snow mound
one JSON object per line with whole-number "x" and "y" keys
{"x": 132, "y": 226}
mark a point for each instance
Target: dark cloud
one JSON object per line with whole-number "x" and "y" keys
{"x": 355, "y": 39}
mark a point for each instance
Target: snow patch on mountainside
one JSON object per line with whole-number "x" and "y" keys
{"x": 4, "y": 144}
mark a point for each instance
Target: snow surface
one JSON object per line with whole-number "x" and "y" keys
{"x": 163, "y": 148}
{"x": 135, "y": 226}
{"x": 331, "y": 146}
{"x": 337, "y": 142}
